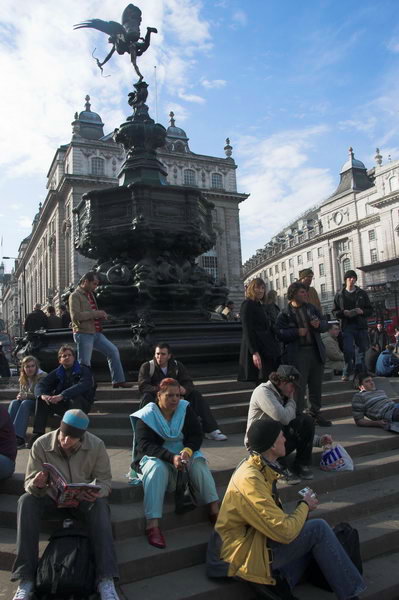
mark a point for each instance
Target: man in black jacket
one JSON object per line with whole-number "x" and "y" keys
{"x": 299, "y": 327}
{"x": 36, "y": 319}
{"x": 352, "y": 306}
{"x": 163, "y": 365}
{"x": 71, "y": 385}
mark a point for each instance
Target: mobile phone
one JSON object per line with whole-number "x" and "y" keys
{"x": 305, "y": 490}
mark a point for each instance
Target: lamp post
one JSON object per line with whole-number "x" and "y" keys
{"x": 23, "y": 280}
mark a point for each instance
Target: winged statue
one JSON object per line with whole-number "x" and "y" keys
{"x": 124, "y": 37}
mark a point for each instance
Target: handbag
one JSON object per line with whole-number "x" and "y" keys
{"x": 348, "y": 537}
{"x": 184, "y": 494}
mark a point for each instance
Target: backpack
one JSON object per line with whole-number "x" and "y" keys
{"x": 349, "y": 540}
{"x": 66, "y": 567}
{"x": 152, "y": 367}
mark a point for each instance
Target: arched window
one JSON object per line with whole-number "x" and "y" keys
{"x": 346, "y": 265}
{"x": 217, "y": 181}
{"x": 97, "y": 166}
{"x": 179, "y": 147}
{"x": 189, "y": 177}
{"x": 393, "y": 183}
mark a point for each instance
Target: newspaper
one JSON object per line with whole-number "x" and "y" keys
{"x": 66, "y": 495}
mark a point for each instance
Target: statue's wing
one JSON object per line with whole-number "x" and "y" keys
{"x": 110, "y": 27}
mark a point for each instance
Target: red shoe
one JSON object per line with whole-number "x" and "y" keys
{"x": 155, "y": 537}
{"x": 122, "y": 384}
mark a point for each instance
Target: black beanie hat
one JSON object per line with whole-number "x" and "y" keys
{"x": 350, "y": 273}
{"x": 262, "y": 434}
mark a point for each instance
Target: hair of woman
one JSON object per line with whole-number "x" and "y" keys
{"x": 250, "y": 291}
{"x": 23, "y": 380}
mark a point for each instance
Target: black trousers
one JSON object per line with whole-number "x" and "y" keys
{"x": 44, "y": 410}
{"x": 97, "y": 518}
{"x": 311, "y": 369}
{"x": 199, "y": 405}
{"x": 299, "y": 434}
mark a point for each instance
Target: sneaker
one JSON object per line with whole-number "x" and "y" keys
{"x": 216, "y": 436}
{"x": 321, "y": 421}
{"x": 289, "y": 477}
{"x": 24, "y": 590}
{"x": 344, "y": 378}
{"x": 304, "y": 472}
{"x": 20, "y": 443}
{"x": 106, "y": 589}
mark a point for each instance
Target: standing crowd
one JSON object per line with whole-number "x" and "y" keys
{"x": 284, "y": 354}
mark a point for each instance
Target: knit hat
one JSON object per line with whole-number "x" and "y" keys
{"x": 350, "y": 273}
{"x": 262, "y": 434}
{"x": 74, "y": 423}
{"x": 305, "y": 273}
{"x": 289, "y": 373}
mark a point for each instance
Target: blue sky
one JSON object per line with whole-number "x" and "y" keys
{"x": 293, "y": 84}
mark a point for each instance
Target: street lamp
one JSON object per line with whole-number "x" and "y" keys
{"x": 23, "y": 278}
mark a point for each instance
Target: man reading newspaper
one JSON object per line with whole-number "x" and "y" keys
{"x": 80, "y": 457}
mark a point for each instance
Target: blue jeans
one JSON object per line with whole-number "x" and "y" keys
{"x": 20, "y": 411}
{"x": 7, "y": 467}
{"x": 354, "y": 338}
{"x": 86, "y": 342}
{"x": 318, "y": 539}
{"x": 159, "y": 476}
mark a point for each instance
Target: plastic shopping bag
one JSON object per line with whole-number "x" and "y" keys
{"x": 335, "y": 458}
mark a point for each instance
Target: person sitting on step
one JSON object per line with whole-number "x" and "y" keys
{"x": 163, "y": 365}
{"x": 71, "y": 385}
{"x": 81, "y": 457}
{"x": 274, "y": 400}
{"x": 167, "y": 439}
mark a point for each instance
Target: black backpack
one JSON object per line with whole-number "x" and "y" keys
{"x": 66, "y": 567}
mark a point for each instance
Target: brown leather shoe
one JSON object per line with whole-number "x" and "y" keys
{"x": 122, "y": 384}
{"x": 155, "y": 537}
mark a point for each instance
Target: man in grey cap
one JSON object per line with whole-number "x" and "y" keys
{"x": 274, "y": 400}
{"x": 262, "y": 544}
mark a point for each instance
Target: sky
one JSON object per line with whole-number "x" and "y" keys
{"x": 292, "y": 84}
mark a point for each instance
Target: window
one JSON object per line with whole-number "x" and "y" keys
{"x": 299, "y": 259}
{"x": 343, "y": 245}
{"x": 321, "y": 269}
{"x": 291, "y": 262}
{"x": 270, "y": 272}
{"x": 277, "y": 284}
{"x": 373, "y": 255}
{"x": 283, "y": 266}
{"x": 291, "y": 277}
{"x": 209, "y": 262}
{"x": 276, "y": 268}
{"x": 309, "y": 256}
{"x": 320, "y": 251}
{"x": 217, "y": 181}
{"x": 323, "y": 290}
{"x": 189, "y": 177}
{"x": 179, "y": 147}
{"x": 371, "y": 235}
{"x": 284, "y": 281}
{"x": 97, "y": 166}
{"x": 346, "y": 264}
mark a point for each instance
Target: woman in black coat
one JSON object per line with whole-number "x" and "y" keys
{"x": 260, "y": 351}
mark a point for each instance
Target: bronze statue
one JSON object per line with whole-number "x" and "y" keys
{"x": 125, "y": 37}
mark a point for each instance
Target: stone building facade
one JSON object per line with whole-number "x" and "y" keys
{"x": 48, "y": 263}
{"x": 356, "y": 228}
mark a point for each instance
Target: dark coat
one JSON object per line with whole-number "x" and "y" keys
{"x": 361, "y": 301}
{"x": 257, "y": 336}
{"x": 176, "y": 370}
{"x": 35, "y": 320}
{"x": 55, "y": 383}
{"x": 148, "y": 442}
{"x": 4, "y": 366}
{"x": 379, "y": 338}
{"x": 287, "y": 326}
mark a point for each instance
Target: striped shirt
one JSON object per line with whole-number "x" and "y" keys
{"x": 93, "y": 305}
{"x": 375, "y": 405}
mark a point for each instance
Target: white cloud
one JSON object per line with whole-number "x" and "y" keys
{"x": 240, "y": 18}
{"x": 282, "y": 183}
{"x": 191, "y": 97}
{"x": 180, "y": 112}
{"x": 213, "y": 83}
{"x": 24, "y": 222}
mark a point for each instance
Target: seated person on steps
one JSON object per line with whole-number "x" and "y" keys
{"x": 71, "y": 385}
{"x": 258, "y": 539}
{"x": 163, "y": 365}
{"x": 372, "y": 407}
{"x": 81, "y": 457}
{"x": 274, "y": 400}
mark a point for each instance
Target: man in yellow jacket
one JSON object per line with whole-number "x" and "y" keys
{"x": 260, "y": 540}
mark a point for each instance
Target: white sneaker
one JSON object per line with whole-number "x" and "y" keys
{"x": 106, "y": 589}
{"x": 24, "y": 590}
{"x": 216, "y": 436}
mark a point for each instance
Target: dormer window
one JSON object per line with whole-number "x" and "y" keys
{"x": 217, "y": 181}
{"x": 179, "y": 147}
{"x": 97, "y": 166}
{"x": 189, "y": 177}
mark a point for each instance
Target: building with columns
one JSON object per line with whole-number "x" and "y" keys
{"x": 48, "y": 263}
{"x": 355, "y": 228}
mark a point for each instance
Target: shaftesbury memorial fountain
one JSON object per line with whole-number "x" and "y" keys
{"x": 145, "y": 235}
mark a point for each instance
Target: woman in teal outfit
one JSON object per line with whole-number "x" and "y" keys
{"x": 168, "y": 438}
